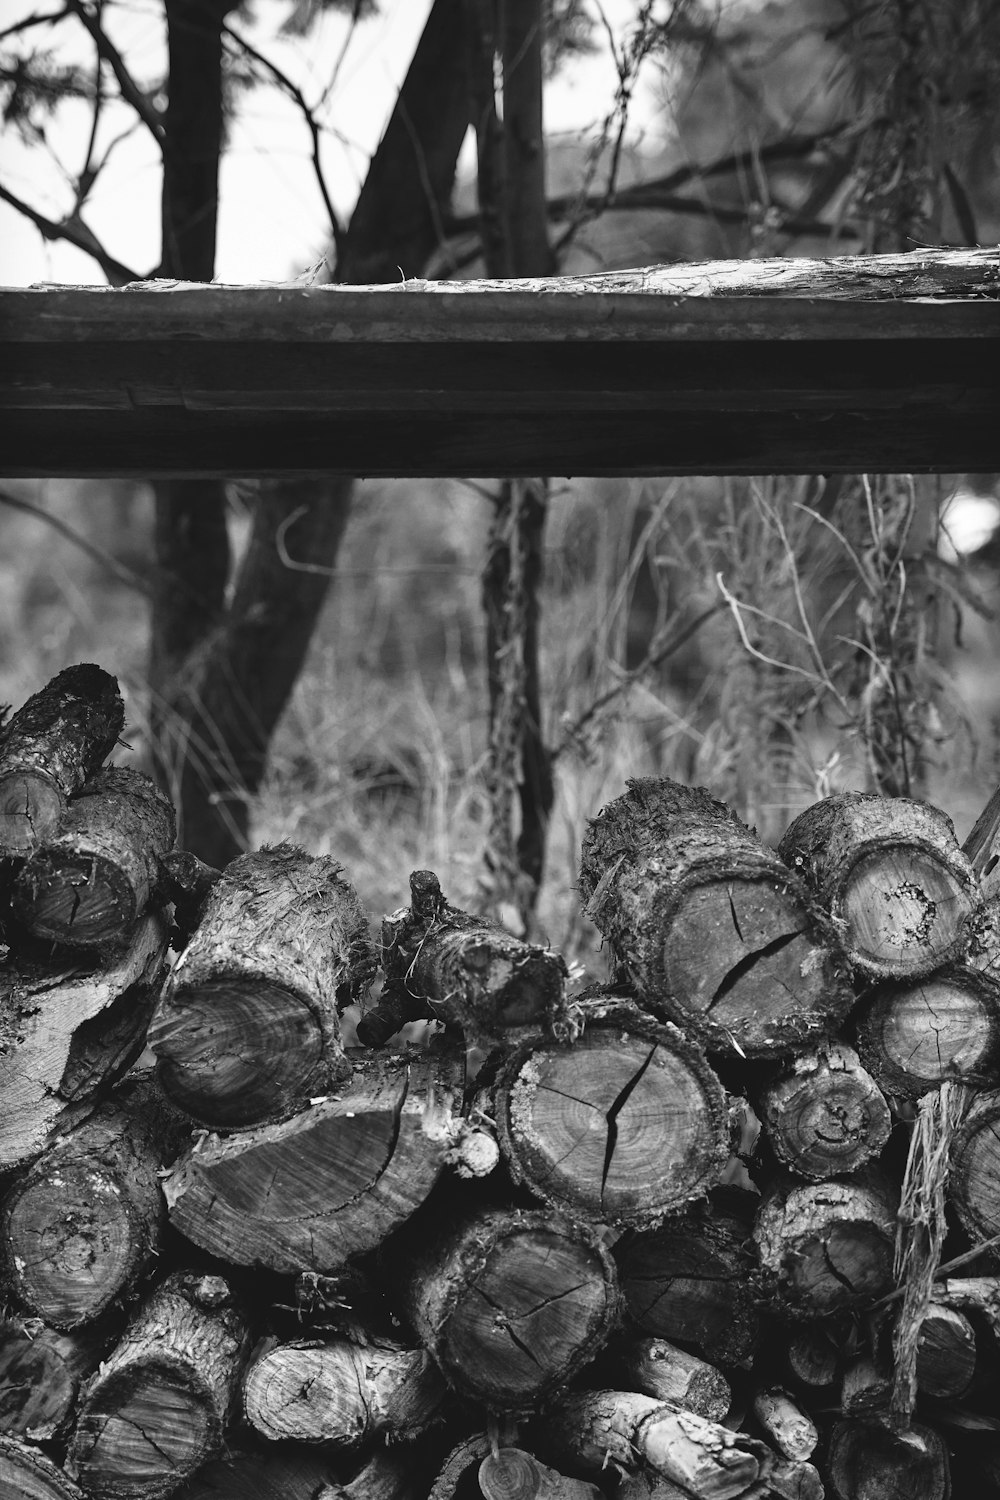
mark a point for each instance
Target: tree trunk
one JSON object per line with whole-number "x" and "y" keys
{"x": 26, "y": 1474}
{"x": 892, "y": 876}
{"x": 511, "y": 1303}
{"x": 340, "y": 1394}
{"x": 691, "y": 1280}
{"x": 331, "y": 1182}
{"x": 867, "y": 1461}
{"x": 157, "y": 1408}
{"x": 974, "y": 1180}
{"x": 827, "y": 1246}
{"x": 78, "y": 1228}
{"x": 87, "y": 886}
{"x": 711, "y": 927}
{"x": 822, "y": 1114}
{"x": 40, "y": 1374}
{"x": 67, "y": 1031}
{"x": 247, "y": 1030}
{"x": 623, "y": 1125}
{"x": 914, "y": 1036}
{"x": 49, "y": 748}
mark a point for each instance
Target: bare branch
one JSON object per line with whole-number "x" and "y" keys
{"x": 131, "y": 92}
{"x": 27, "y": 22}
{"x": 295, "y": 93}
{"x": 75, "y": 232}
{"x": 118, "y": 570}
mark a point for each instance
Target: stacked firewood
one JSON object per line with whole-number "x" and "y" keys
{"x": 684, "y": 1234}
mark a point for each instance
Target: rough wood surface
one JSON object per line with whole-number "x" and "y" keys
{"x": 868, "y": 1461}
{"x": 813, "y": 1357}
{"x": 247, "y": 1029}
{"x": 787, "y": 1426}
{"x": 706, "y": 1459}
{"x": 332, "y": 1181}
{"x": 283, "y": 1472}
{"x": 460, "y": 1469}
{"x": 82, "y": 1222}
{"x": 828, "y": 1245}
{"x": 657, "y": 1368}
{"x": 50, "y": 747}
{"x": 156, "y": 1410}
{"x": 69, "y": 1029}
{"x": 87, "y": 885}
{"x": 946, "y": 1353}
{"x": 444, "y": 964}
{"x": 915, "y": 1036}
{"x": 890, "y": 872}
{"x": 692, "y": 1279}
{"x": 708, "y": 923}
{"x": 512, "y": 1474}
{"x": 26, "y": 1474}
{"x": 41, "y": 1370}
{"x": 974, "y": 1180}
{"x": 512, "y": 1303}
{"x": 850, "y": 363}
{"x": 341, "y": 1394}
{"x": 823, "y": 1114}
{"x": 982, "y": 847}
{"x": 186, "y": 882}
{"x": 624, "y": 1124}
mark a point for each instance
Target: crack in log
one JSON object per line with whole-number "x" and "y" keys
{"x": 732, "y": 908}
{"x": 615, "y": 1110}
{"x": 502, "y": 1322}
{"x": 740, "y": 970}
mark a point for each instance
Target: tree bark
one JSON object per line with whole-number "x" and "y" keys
{"x": 67, "y": 1031}
{"x": 247, "y": 1030}
{"x": 78, "y": 1227}
{"x": 288, "y": 1472}
{"x": 657, "y": 1368}
{"x": 157, "y": 1408}
{"x": 624, "y": 1125}
{"x": 974, "y": 1180}
{"x": 340, "y": 1394}
{"x": 692, "y": 1280}
{"x": 787, "y": 1426}
{"x": 49, "y": 748}
{"x": 709, "y": 924}
{"x": 914, "y": 1036}
{"x": 892, "y": 876}
{"x": 312, "y": 1191}
{"x": 26, "y": 1474}
{"x": 511, "y": 1303}
{"x": 40, "y": 1374}
{"x": 822, "y": 1114}
{"x": 827, "y": 1246}
{"x": 459, "y": 1467}
{"x": 867, "y": 1461}
{"x": 88, "y": 885}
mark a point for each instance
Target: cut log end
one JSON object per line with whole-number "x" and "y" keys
{"x": 905, "y": 910}
{"x": 974, "y": 1182}
{"x": 147, "y": 1430}
{"x": 914, "y": 1037}
{"x": 81, "y": 900}
{"x": 231, "y": 1053}
{"x": 825, "y": 1115}
{"x": 868, "y": 1461}
{"x": 30, "y": 809}
{"x": 827, "y": 1246}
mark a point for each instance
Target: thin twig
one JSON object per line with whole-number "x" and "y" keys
{"x": 36, "y": 20}
{"x": 131, "y": 92}
{"x": 118, "y": 570}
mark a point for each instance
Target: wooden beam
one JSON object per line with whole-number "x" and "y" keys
{"x": 782, "y": 366}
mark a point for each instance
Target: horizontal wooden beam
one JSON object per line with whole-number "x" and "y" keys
{"x": 784, "y": 366}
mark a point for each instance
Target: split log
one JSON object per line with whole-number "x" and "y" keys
{"x": 339, "y": 1394}
{"x": 708, "y": 1461}
{"x": 26, "y": 1474}
{"x": 915, "y": 1036}
{"x": 157, "y": 1408}
{"x": 657, "y": 1368}
{"x": 79, "y": 1226}
{"x": 712, "y": 927}
{"x": 974, "y": 1179}
{"x": 67, "y": 1031}
{"x": 49, "y": 748}
{"x": 329, "y": 1183}
{"x": 41, "y": 1370}
{"x": 623, "y": 1125}
{"x": 868, "y": 1461}
{"x": 247, "y": 1030}
{"x": 946, "y": 1353}
{"x": 828, "y": 1245}
{"x": 692, "y": 1279}
{"x": 787, "y": 1426}
{"x": 285, "y": 1472}
{"x": 890, "y": 872}
{"x": 813, "y": 1357}
{"x": 511, "y": 1303}
{"x": 443, "y": 964}
{"x": 86, "y": 886}
{"x": 512, "y": 1474}
{"x": 823, "y": 1114}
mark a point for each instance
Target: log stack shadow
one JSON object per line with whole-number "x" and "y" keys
{"x": 665, "y": 1237}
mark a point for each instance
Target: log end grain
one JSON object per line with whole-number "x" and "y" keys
{"x": 824, "y": 1115}
{"x": 974, "y": 1180}
{"x": 868, "y": 1461}
{"x": 914, "y": 1036}
{"x": 31, "y": 807}
{"x": 26, "y": 1474}
{"x": 828, "y": 1245}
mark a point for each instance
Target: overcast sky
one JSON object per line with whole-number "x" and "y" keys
{"x": 271, "y": 220}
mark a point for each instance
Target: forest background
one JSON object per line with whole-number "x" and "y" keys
{"x": 458, "y": 674}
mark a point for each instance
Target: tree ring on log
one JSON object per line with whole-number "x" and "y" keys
{"x": 77, "y": 898}
{"x": 158, "y": 1399}
{"x": 31, "y": 805}
{"x": 624, "y": 1125}
{"x": 828, "y": 1245}
{"x": 26, "y": 1474}
{"x": 866, "y": 1460}
{"x": 915, "y": 1036}
{"x": 823, "y": 1114}
{"x": 974, "y": 1179}
{"x": 228, "y": 1055}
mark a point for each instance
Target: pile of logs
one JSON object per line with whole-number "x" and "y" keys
{"x": 725, "y": 1226}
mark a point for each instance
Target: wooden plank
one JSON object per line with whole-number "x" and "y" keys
{"x": 725, "y": 367}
